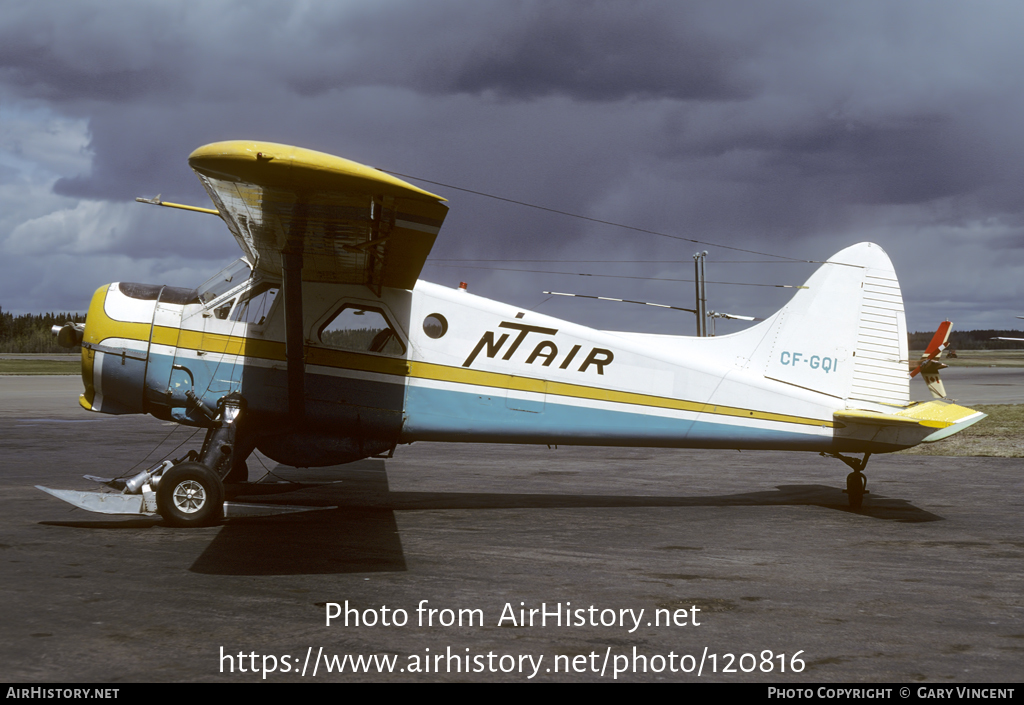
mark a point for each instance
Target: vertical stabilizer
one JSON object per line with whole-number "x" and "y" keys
{"x": 845, "y": 334}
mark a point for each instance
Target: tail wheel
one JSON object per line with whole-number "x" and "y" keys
{"x": 190, "y": 494}
{"x": 856, "y": 488}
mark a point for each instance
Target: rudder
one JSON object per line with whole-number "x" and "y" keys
{"x": 845, "y": 334}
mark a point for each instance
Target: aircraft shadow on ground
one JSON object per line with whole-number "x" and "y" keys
{"x": 360, "y": 534}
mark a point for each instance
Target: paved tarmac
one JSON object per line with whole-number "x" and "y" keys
{"x": 978, "y": 385}
{"x": 923, "y": 585}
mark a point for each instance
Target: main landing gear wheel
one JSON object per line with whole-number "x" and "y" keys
{"x": 190, "y": 494}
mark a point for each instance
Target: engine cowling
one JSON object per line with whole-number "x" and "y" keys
{"x": 115, "y": 348}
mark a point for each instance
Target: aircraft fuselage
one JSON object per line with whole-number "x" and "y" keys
{"x": 455, "y": 367}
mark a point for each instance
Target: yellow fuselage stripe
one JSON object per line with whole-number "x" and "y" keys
{"x": 342, "y": 360}
{"x": 444, "y": 373}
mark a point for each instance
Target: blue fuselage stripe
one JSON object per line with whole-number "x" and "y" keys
{"x": 414, "y": 412}
{"x": 434, "y": 414}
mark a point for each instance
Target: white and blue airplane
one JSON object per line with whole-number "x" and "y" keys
{"x": 1016, "y": 340}
{"x": 320, "y": 345}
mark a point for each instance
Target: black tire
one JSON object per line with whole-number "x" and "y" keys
{"x": 189, "y": 494}
{"x": 856, "y": 501}
{"x": 856, "y": 488}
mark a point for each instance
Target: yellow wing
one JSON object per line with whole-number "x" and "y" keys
{"x": 353, "y": 224}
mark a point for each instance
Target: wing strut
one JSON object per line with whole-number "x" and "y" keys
{"x": 294, "y": 340}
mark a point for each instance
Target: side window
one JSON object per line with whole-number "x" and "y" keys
{"x": 361, "y": 329}
{"x": 254, "y": 309}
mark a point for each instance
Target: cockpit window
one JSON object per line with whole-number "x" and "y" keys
{"x": 224, "y": 281}
{"x": 255, "y": 308}
{"x": 361, "y": 330}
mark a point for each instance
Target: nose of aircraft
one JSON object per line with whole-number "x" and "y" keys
{"x": 89, "y": 355}
{"x": 71, "y": 335}
{"x": 115, "y": 346}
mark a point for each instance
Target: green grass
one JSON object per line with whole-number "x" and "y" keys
{"x": 1001, "y": 435}
{"x": 40, "y": 367}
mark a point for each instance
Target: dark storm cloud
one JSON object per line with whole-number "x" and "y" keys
{"x": 904, "y": 159}
{"x": 37, "y": 72}
{"x": 793, "y": 128}
{"x": 597, "y": 51}
{"x": 64, "y": 53}
{"x": 152, "y": 96}
{"x": 912, "y": 160}
{"x": 140, "y": 150}
{"x": 601, "y": 52}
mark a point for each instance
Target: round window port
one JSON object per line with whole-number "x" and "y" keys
{"x": 435, "y": 325}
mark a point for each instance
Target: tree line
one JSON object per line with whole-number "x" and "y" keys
{"x": 30, "y": 332}
{"x": 971, "y": 340}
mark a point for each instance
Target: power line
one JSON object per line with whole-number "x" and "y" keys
{"x": 592, "y": 220}
{"x": 615, "y": 261}
{"x": 615, "y": 276}
{"x": 623, "y": 301}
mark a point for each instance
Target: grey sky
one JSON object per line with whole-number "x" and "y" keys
{"x": 793, "y": 128}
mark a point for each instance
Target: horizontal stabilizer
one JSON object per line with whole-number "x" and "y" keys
{"x": 946, "y": 418}
{"x": 872, "y": 418}
{"x": 921, "y": 422}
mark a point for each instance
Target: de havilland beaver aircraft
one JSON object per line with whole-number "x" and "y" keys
{"x": 321, "y": 346}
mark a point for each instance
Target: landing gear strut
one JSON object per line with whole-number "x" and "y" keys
{"x": 856, "y": 481}
{"x": 188, "y": 491}
{"x": 192, "y": 493}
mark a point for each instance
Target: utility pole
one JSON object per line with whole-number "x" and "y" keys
{"x": 702, "y": 298}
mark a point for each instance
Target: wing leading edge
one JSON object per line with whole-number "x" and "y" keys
{"x": 352, "y": 224}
